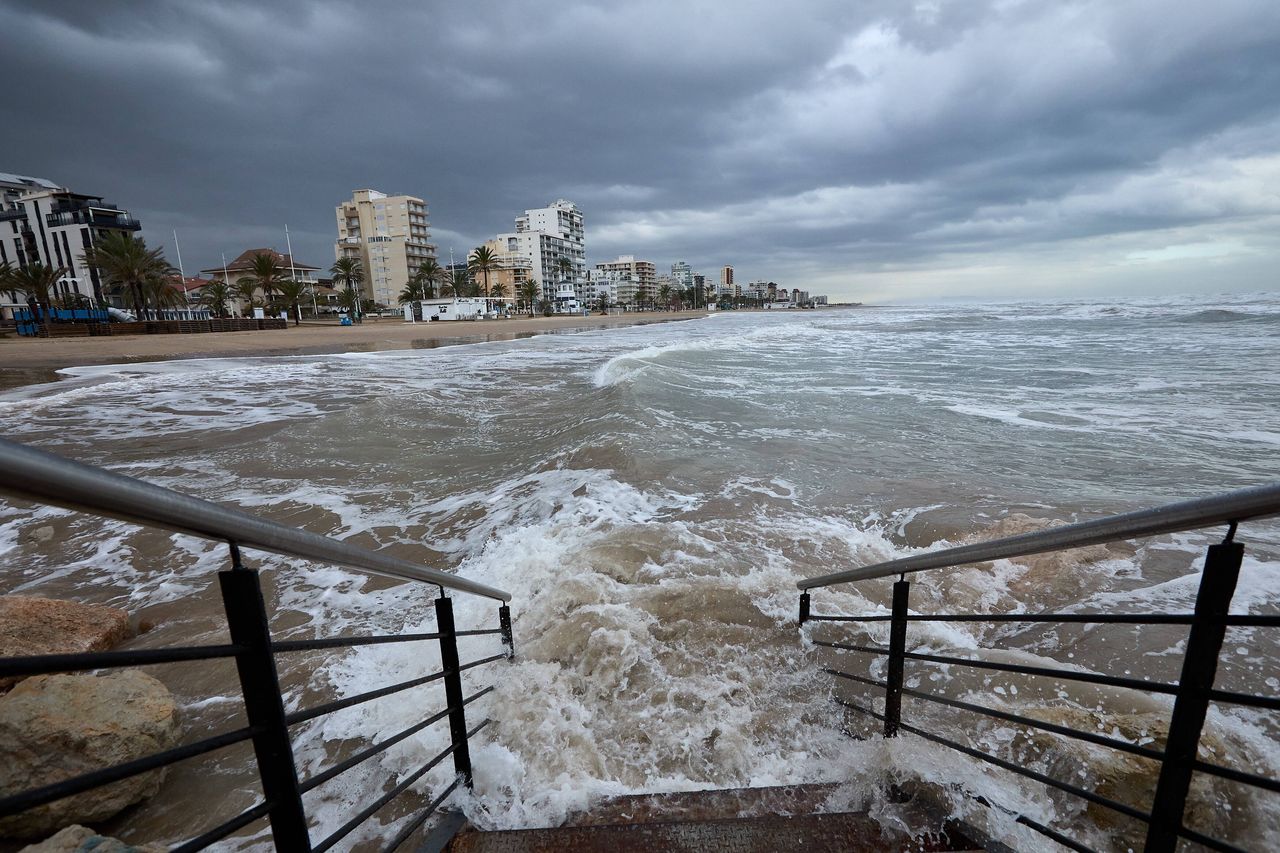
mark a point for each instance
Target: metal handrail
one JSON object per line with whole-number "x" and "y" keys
{"x": 1257, "y": 502}
{"x": 47, "y": 478}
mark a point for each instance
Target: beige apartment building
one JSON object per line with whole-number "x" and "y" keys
{"x": 643, "y": 273}
{"x": 389, "y": 235}
{"x": 514, "y": 268}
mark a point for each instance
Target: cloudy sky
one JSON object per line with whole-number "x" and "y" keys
{"x": 873, "y": 150}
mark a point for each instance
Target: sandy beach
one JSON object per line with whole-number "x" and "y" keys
{"x": 29, "y": 360}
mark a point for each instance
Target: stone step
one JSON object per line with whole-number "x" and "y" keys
{"x": 851, "y": 832}
{"x": 743, "y": 819}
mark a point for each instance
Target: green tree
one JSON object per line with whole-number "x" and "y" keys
{"x": 127, "y": 264}
{"x": 216, "y": 296}
{"x": 412, "y": 292}
{"x": 664, "y": 296}
{"x": 35, "y": 280}
{"x": 429, "y": 276}
{"x": 566, "y": 267}
{"x": 246, "y": 291}
{"x": 482, "y": 260}
{"x": 267, "y": 273}
{"x": 529, "y": 291}
{"x": 6, "y": 273}
{"x": 498, "y": 291}
{"x": 603, "y": 303}
{"x": 161, "y": 292}
{"x": 349, "y": 273}
{"x": 461, "y": 283}
{"x": 291, "y": 293}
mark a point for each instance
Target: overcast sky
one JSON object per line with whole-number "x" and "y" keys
{"x": 872, "y": 150}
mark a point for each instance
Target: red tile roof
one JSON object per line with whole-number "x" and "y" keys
{"x": 244, "y": 262}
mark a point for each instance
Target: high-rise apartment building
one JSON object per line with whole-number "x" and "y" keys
{"x": 642, "y": 273}
{"x": 41, "y": 222}
{"x": 389, "y": 235}
{"x": 726, "y": 278}
{"x": 683, "y": 274}
{"x": 545, "y": 237}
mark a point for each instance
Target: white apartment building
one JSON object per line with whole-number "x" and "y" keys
{"x": 619, "y": 287}
{"x": 391, "y": 237}
{"x": 682, "y": 273}
{"x": 41, "y": 222}
{"x": 544, "y": 237}
{"x": 642, "y": 275}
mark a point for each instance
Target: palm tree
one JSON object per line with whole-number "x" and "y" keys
{"x": 529, "y": 291}
{"x": 161, "y": 292}
{"x": 411, "y": 293}
{"x": 498, "y": 291}
{"x": 217, "y": 297}
{"x": 348, "y": 272}
{"x": 126, "y": 262}
{"x": 460, "y": 283}
{"x": 603, "y": 304}
{"x": 291, "y": 293}
{"x": 267, "y": 274}
{"x": 565, "y": 266}
{"x": 481, "y": 261}
{"x": 664, "y": 295}
{"x": 246, "y": 291}
{"x": 429, "y": 275}
{"x": 36, "y": 281}
{"x": 349, "y": 299}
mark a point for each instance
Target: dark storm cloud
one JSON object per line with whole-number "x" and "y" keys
{"x": 811, "y": 139}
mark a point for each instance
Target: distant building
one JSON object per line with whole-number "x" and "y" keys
{"x": 545, "y": 237}
{"x": 620, "y": 286}
{"x": 514, "y": 269}
{"x": 642, "y": 274}
{"x": 42, "y": 222}
{"x": 683, "y": 274}
{"x": 242, "y": 267}
{"x": 389, "y": 235}
{"x": 726, "y": 279}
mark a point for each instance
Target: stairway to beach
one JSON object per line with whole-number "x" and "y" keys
{"x": 745, "y": 820}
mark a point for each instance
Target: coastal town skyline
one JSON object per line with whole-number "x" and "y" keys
{"x": 383, "y": 254}
{"x": 888, "y": 153}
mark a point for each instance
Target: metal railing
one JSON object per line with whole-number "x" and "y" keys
{"x": 48, "y": 479}
{"x": 1179, "y": 760}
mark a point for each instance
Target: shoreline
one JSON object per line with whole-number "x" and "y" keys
{"x": 30, "y": 361}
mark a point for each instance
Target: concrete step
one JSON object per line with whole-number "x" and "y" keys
{"x": 750, "y": 820}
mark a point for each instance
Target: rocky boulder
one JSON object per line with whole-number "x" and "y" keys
{"x": 46, "y": 626}
{"x": 81, "y": 839}
{"x": 55, "y": 727}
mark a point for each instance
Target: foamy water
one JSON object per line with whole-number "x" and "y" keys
{"x": 650, "y": 496}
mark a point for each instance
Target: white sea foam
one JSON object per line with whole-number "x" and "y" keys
{"x": 651, "y": 496}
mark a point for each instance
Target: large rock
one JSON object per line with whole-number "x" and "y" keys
{"x": 46, "y": 626}
{"x": 55, "y": 727}
{"x": 81, "y": 839}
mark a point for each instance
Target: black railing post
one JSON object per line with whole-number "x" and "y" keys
{"x": 453, "y": 688}
{"x": 504, "y": 625}
{"x": 264, "y": 706}
{"x": 804, "y": 607}
{"x": 897, "y": 647}
{"x": 1199, "y": 667}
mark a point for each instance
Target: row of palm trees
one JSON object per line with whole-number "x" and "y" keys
{"x": 125, "y": 263}
{"x": 147, "y": 281}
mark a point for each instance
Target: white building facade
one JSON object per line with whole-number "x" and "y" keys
{"x": 41, "y": 222}
{"x": 545, "y": 237}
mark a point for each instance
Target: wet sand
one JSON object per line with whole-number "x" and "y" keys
{"x": 25, "y": 361}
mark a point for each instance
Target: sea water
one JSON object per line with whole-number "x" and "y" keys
{"x": 650, "y": 496}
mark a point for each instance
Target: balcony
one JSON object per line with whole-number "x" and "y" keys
{"x": 93, "y": 218}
